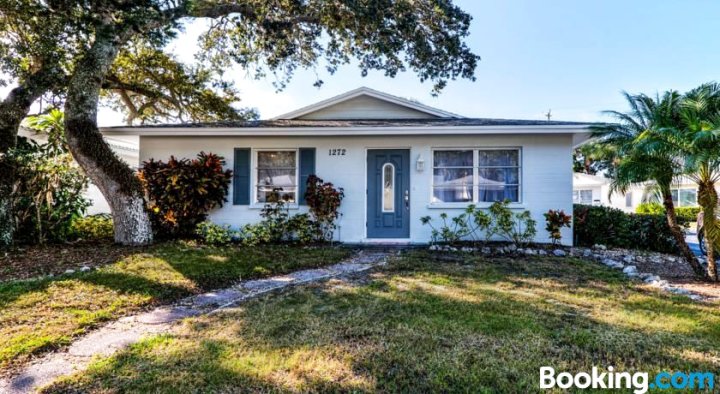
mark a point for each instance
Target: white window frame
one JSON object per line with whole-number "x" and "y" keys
{"x": 255, "y": 178}
{"x": 476, "y": 174}
{"x": 579, "y": 195}
{"x": 680, "y": 189}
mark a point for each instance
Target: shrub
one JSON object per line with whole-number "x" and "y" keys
{"x": 460, "y": 227}
{"x": 214, "y": 234}
{"x": 254, "y": 234}
{"x": 554, "y": 222}
{"x": 650, "y": 208}
{"x": 323, "y": 201}
{"x": 181, "y": 192}
{"x": 48, "y": 191}
{"x": 614, "y": 228}
{"x": 275, "y": 214}
{"x": 687, "y": 214}
{"x": 518, "y": 228}
{"x": 93, "y": 227}
{"x": 302, "y": 228}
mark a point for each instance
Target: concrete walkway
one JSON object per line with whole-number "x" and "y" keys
{"x": 120, "y": 334}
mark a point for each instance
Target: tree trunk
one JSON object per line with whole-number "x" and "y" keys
{"x": 707, "y": 196}
{"x": 112, "y": 176}
{"x": 678, "y": 233}
{"x": 13, "y": 110}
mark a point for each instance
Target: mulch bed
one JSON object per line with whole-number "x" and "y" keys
{"x": 34, "y": 261}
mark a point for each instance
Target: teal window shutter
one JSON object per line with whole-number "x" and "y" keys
{"x": 307, "y": 168}
{"x": 241, "y": 177}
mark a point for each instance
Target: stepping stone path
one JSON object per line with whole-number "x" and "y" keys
{"x": 129, "y": 330}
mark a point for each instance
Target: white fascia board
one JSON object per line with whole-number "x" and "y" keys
{"x": 340, "y": 131}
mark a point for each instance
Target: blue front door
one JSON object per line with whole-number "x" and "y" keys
{"x": 388, "y": 194}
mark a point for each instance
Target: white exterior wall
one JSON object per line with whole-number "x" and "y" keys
{"x": 546, "y": 173}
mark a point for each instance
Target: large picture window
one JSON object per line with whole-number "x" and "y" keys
{"x": 479, "y": 175}
{"x": 276, "y": 169}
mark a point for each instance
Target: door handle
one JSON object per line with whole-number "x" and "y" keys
{"x": 407, "y": 198}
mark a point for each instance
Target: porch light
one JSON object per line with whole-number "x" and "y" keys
{"x": 420, "y": 164}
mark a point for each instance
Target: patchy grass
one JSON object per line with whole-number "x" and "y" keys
{"x": 40, "y": 315}
{"x": 481, "y": 325}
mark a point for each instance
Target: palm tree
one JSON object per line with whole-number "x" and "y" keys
{"x": 634, "y": 164}
{"x": 52, "y": 124}
{"x": 697, "y": 143}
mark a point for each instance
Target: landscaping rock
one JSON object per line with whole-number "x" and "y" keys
{"x": 467, "y": 249}
{"x": 651, "y": 279}
{"x": 434, "y": 247}
{"x": 587, "y": 253}
{"x": 613, "y": 263}
{"x": 542, "y": 252}
{"x": 69, "y": 272}
{"x": 486, "y": 250}
{"x": 678, "y": 290}
{"x": 85, "y": 269}
{"x": 599, "y": 247}
{"x": 511, "y": 248}
{"x": 629, "y": 259}
{"x": 559, "y": 253}
{"x": 630, "y": 269}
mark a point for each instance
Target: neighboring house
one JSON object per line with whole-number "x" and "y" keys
{"x": 595, "y": 190}
{"x": 397, "y": 160}
{"x": 126, "y": 147}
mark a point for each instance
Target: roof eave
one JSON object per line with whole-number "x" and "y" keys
{"x": 344, "y": 131}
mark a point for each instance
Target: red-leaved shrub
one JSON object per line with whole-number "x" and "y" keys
{"x": 323, "y": 201}
{"x": 180, "y": 192}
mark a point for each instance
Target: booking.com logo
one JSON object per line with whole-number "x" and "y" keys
{"x": 639, "y": 381}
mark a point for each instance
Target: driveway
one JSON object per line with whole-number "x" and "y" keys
{"x": 692, "y": 240}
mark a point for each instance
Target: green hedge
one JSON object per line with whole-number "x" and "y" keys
{"x": 614, "y": 228}
{"x": 685, "y": 215}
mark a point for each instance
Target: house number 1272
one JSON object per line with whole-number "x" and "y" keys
{"x": 337, "y": 152}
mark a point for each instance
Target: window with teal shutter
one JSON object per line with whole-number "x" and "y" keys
{"x": 307, "y": 168}
{"x": 241, "y": 177}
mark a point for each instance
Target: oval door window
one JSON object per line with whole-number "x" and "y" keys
{"x": 388, "y": 182}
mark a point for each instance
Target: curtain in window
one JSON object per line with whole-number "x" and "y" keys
{"x": 276, "y": 170}
{"x": 453, "y": 176}
{"x": 498, "y": 175}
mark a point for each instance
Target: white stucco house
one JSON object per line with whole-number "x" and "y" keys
{"x": 396, "y": 159}
{"x": 595, "y": 190}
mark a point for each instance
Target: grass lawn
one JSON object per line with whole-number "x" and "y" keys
{"x": 422, "y": 325}
{"x": 41, "y": 315}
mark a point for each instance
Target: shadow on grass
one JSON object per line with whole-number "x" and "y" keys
{"x": 422, "y": 328}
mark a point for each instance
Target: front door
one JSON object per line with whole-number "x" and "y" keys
{"x": 388, "y": 194}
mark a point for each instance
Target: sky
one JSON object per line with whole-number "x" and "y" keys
{"x": 572, "y": 57}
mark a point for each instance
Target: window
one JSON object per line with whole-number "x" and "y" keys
{"x": 276, "y": 171}
{"x": 582, "y": 196}
{"x": 482, "y": 175}
{"x": 453, "y": 176}
{"x": 388, "y": 181}
{"x": 684, "y": 197}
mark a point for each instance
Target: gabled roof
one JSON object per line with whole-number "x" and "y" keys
{"x": 371, "y": 93}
